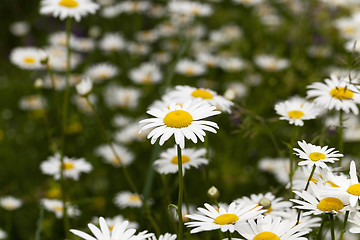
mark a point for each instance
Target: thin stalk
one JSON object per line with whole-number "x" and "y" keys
{"x": 319, "y": 234}
{"x": 341, "y": 139}
{"x": 53, "y": 85}
{"x": 125, "y": 172}
{"x": 344, "y": 225}
{"x": 306, "y": 188}
{"x": 181, "y": 182}
{"x": 39, "y": 223}
{"x": 331, "y": 218}
{"x": 229, "y": 235}
{"x": 291, "y": 173}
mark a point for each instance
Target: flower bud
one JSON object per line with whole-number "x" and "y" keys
{"x": 213, "y": 192}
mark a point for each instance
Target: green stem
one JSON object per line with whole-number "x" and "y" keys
{"x": 229, "y": 235}
{"x": 179, "y": 210}
{"x": 124, "y": 169}
{"x": 291, "y": 173}
{"x": 344, "y": 225}
{"x": 319, "y": 234}
{"x": 341, "y": 139}
{"x": 306, "y": 188}
{"x": 39, "y": 223}
{"x": 331, "y": 218}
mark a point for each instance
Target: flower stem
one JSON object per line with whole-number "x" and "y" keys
{"x": 344, "y": 225}
{"x": 291, "y": 173}
{"x": 318, "y": 237}
{"x": 39, "y": 223}
{"x": 181, "y": 182}
{"x": 331, "y": 218}
{"x": 341, "y": 139}
{"x": 229, "y": 235}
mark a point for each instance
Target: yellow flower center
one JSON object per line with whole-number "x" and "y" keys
{"x": 68, "y": 3}
{"x": 59, "y": 208}
{"x": 68, "y": 166}
{"x": 116, "y": 161}
{"x": 29, "y": 60}
{"x": 330, "y": 204}
{"x": 341, "y": 93}
{"x": 332, "y": 184}
{"x": 184, "y": 159}
{"x": 189, "y": 71}
{"x": 202, "y": 94}
{"x": 316, "y": 156}
{"x": 266, "y": 236}
{"x": 354, "y": 189}
{"x": 349, "y": 30}
{"x": 147, "y": 78}
{"x": 178, "y": 119}
{"x": 226, "y": 219}
{"x": 295, "y": 114}
{"x": 135, "y": 198}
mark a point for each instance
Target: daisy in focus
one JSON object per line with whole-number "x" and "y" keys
{"x": 126, "y": 199}
{"x": 168, "y": 162}
{"x": 268, "y": 227}
{"x": 223, "y": 219}
{"x": 10, "y": 203}
{"x": 166, "y": 236}
{"x": 68, "y": 8}
{"x": 335, "y": 93}
{"x": 28, "y": 57}
{"x": 111, "y": 222}
{"x": 296, "y": 110}
{"x": 316, "y": 155}
{"x": 72, "y": 167}
{"x": 181, "y": 121}
{"x": 120, "y": 231}
{"x": 185, "y": 93}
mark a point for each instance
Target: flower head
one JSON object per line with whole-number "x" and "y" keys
{"x": 84, "y": 87}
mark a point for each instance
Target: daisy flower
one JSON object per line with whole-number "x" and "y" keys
{"x": 57, "y": 207}
{"x": 31, "y": 103}
{"x": 190, "y": 68}
{"x": 296, "y": 110}
{"x": 10, "y": 203}
{"x": 68, "y": 8}
{"x": 355, "y": 220}
{"x": 280, "y": 167}
{"x": 316, "y": 155}
{"x": 319, "y": 203}
{"x": 84, "y": 87}
{"x": 27, "y": 57}
{"x": 269, "y": 227}
{"x": 130, "y": 133}
{"x": 3, "y": 234}
{"x": 191, "y": 8}
{"x": 223, "y": 219}
{"x": 124, "y": 97}
{"x": 120, "y": 231}
{"x": 336, "y": 93}
{"x": 274, "y": 206}
{"x": 20, "y": 28}
{"x": 112, "y": 42}
{"x": 307, "y": 222}
{"x": 126, "y": 199}
{"x": 147, "y": 73}
{"x": 168, "y": 162}
{"x": 102, "y": 71}
{"x": 185, "y": 93}
{"x": 166, "y": 236}
{"x": 72, "y": 167}
{"x": 181, "y": 121}
{"x": 111, "y": 222}
{"x": 271, "y": 63}
{"x": 126, "y": 157}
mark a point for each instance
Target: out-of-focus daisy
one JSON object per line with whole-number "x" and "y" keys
{"x": 124, "y": 97}
{"x": 208, "y": 59}
{"x": 82, "y": 103}
{"x": 58, "y": 39}
{"x": 127, "y": 199}
{"x": 223, "y": 219}
{"x": 28, "y": 57}
{"x": 111, "y": 222}
{"x": 120, "y": 231}
{"x": 166, "y": 236}
{"x": 131, "y": 133}
{"x": 248, "y": 2}
{"x": 112, "y": 42}
{"x": 55, "y": 81}
{"x": 271, "y": 63}
{"x": 340, "y": 94}
{"x": 168, "y": 162}
{"x": 268, "y": 227}
{"x": 280, "y": 167}
{"x": 135, "y": 6}
{"x": 235, "y": 90}
{"x": 31, "y": 103}
{"x": 161, "y": 57}
{"x": 10, "y": 203}
{"x": 355, "y": 219}
{"x": 57, "y": 207}
{"x": 274, "y": 206}
{"x": 232, "y": 64}
{"x": 318, "y": 203}
{"x": 72, "y": 168}
{"x": 126, "y": 157}
{"x": 3, "y": 234}
{"x": 84, "y": 87}
{"x": 190, "y": 68}
{"x": 83, "y": 44}
{"x": 197, "y": 9}
{"x": 138, "y": 48}
{"x": 295, "y": 110}
{"x": 147, "y": 36}
{"x": 68, "y": 8}
{"x": 121, "y": 120}
{"x": 316, "y": 155}
{"x": 185, "y": 93}
{"x": 347, "y": 27}
{"x": 20, "y": 28}
{"x": 181, "y": 121}
{"x": 147, "y": 73}
{"x": 102, "y": 71}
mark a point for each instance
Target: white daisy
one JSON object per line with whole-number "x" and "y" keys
{"x": 28, "y": 57}
{"x": 138, "y": 48}
{"x": 10, "y": 203}
{"x": 355, "y": 219}
{"x": 124, "y": 97}
{"x": 190, "y": 68}
{"x": 57, "y": 207}
{"x": 147, "y": 36}
{"x": 168, "y": 162}
{"x": 340, "y": 94}
{"x": 316, "y": 155}
{"x": 223, "y": 219}
{"x": 308, "y": 223}
{"x": 111, "y": 222}
{"x": 68, "y": 8}
{"x": 82, "y": 102}
{"x": 19, "y": 28}
{"x": 131, "y": 133}
{"x": 112, "y": 42}
{"x": 280, "y": 167}
{"x": 126, "y": 199}
{"x": 185, "y": 93}
{"x": 101, "y": 71}
{"x": 319, "y": 203}
{"x": 268, "y": 227}
{"x": 72, "y": 168}
{"x": 31, "y": 103}
{"x": 3, "y": 234}
{"x": 166, "y": 236}
{"x": 84, "y": 44}
{"x": 191, "y": 8}
{"x": 271, "y": 63}
{"x": 84, "y": 87}
{"x": 232, "y": 64}
{"x": 235, "y": 90}
{"x": 181, "y": 121}
{"x": 120, "y": 231}
{"x": 58, "y": 39}
{"x": 126, "y": 157}
{"x": 147, "y": 73}
{"x": 295, "y": 110}
{"x": 274, "y": 206}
